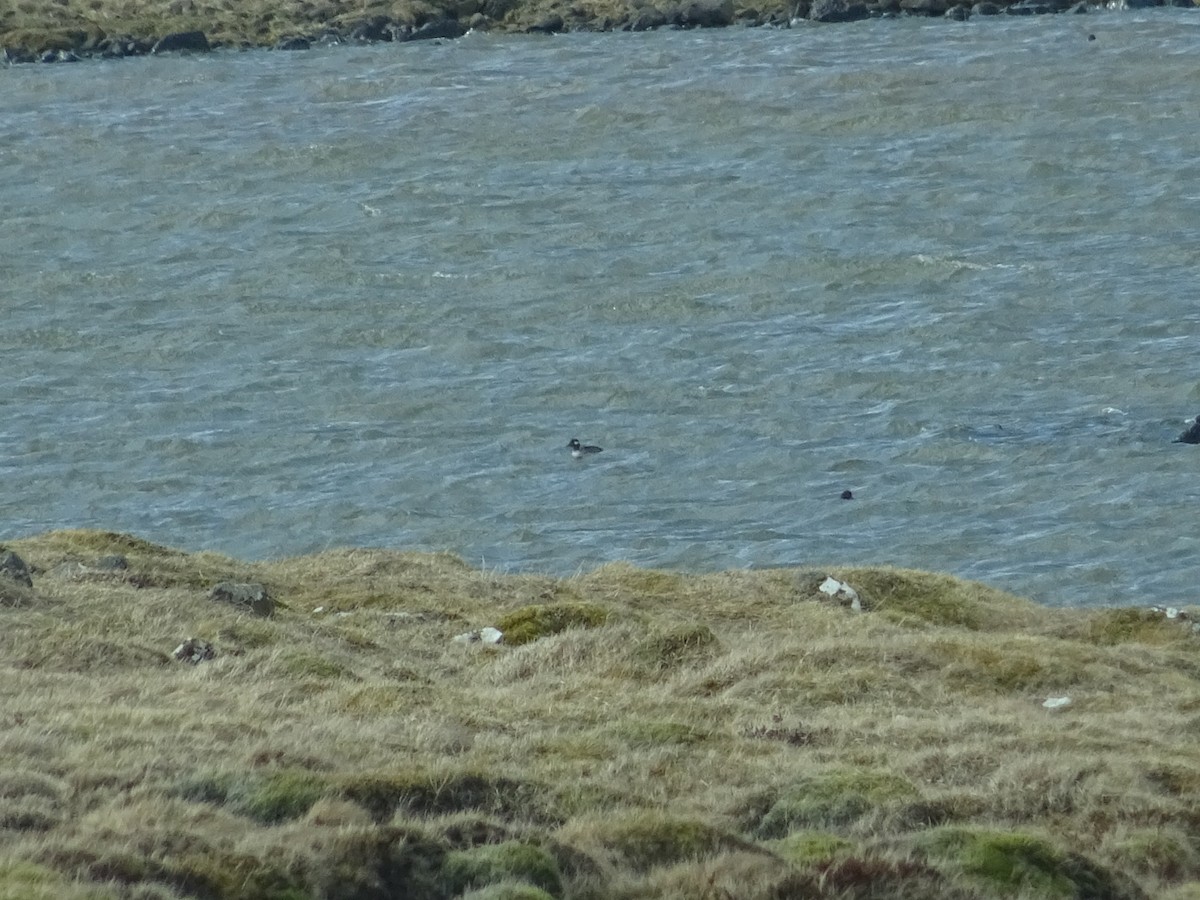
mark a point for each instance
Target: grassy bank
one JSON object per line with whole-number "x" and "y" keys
{"x": 33, "y": 27}
{"x": 57, "y": 30}
{"x": 638, "y": 734}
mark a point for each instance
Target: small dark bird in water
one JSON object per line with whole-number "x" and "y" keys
{"x": 847, "y": 495}
{"x": 579, "y": 450}
{"x": 1192, "y": 435}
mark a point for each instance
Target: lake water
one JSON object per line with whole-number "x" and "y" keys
{"x": 266, "y": 303}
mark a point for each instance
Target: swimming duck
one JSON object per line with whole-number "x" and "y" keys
{"x": 579, "y": 450}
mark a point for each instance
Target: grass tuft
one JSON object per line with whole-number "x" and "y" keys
{"x": 678, "y": 645}
{"x": 832, "y": 799}
{"x": 508, "y": 891}
{"x": 1110, "y": 627}
{"x": 643, "y": 839}
{"x": 21, "y": 880}
{"x": 1013, "y": 863}
{"x": 511, "y": 861}
{"x": 653, "y": 733}
{"x": 805, "y": 849}
{"x": 265, "y": 797}
{"x": 529, "y": 623}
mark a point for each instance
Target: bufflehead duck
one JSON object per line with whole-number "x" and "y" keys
{"x": 1192, "y": 435}
{"x": 579, "y": 450}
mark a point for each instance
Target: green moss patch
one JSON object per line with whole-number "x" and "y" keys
{"x": 990, "y": 668}
{"x": 832, "y": 799}
{"x": 508, "y": 891}
{"x": 265, "y": 797}
{"x": 1133, "y": 626}
{"x": 1003, "y": 861}
{"x": 650, "y": 733}
{"x": 643, "y": 839}
{"x": 430, "y": 794}
{"x": 236, "y": 877}
{"x": 29, "y": 881}
{"x": 1012, "y": 664}
{"x": 638, "y": 584}
{"x": 532, "y": 622}
{"x": 1013, "y": 863}
{"x": 299, "y": 664}
{"x": 807, "y": 848}
{"x": 908, "y": 598}
{"x": 510, "y": 861}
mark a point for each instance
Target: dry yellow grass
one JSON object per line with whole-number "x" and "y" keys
{"x": 656, "y": 735}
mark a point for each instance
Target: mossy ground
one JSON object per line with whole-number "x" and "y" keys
{"x": 655, "y": 735}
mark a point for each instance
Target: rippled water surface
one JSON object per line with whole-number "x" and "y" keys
{"x": 266, "y": 303}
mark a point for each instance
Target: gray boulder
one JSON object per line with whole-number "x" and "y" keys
{"x": 441, "y": 28}
{"x": 552, "y": 24}
{"x": 1031, "y": 8}
{"x": 647, "y": 19}
{"x": 250, "y": 596}
{"x": 373, "y": 30}
{"x": 705, "y": 14}
{"x": 194, "y": 651}
{"x": 13, "y": 568}
{"x": 16, "y": 585}
{"x": 838, "y": 11}
{"x": 925, "y": 7}
{"x": 176, "y": 41}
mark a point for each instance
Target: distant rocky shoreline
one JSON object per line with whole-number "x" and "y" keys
{"x": 71, "y": 31}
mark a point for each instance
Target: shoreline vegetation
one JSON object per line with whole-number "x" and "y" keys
{"x": 69, "y": 30}
{"x": 344, "y": 725}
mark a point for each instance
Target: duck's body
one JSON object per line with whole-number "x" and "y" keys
{"x": 578, "y": 450}
{"x": 1192, "y": 435}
